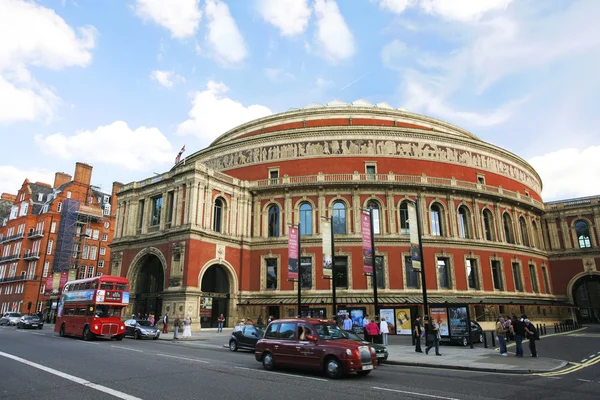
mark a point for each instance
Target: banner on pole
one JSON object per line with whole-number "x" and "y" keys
{"x": 293, "y": 253}
{"x": 49, "y": 279}
{"x": 415, "y": 249}
{"x": 327, "y": 256}
{"x": 365, "y": 224}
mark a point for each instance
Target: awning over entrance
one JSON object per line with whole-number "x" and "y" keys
{"x": 398, "y": 301}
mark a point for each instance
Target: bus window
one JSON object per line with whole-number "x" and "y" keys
{"x": 81, "y": 311}
{"x": 106, "y": 286}
{"x": 121, "y": 286}
{"x": 86, "y": 286}
{"x": 104, "y": 311}
{"x": 95, "y": 285}
{"x": 78, "y": 286}
{"x": 70, "y": 311}
{"x": 90, "y": 311}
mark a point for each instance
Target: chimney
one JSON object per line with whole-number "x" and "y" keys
{"x": 9, "y": 197}
{"x": 83, "y": 174}
{"x": 116, "y": 188}
{"x": 60, "y": 178}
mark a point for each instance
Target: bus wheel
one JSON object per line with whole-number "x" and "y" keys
{"x": 61, "y": 333}
{"x": 119, "y": 337}
{"x": 87, "y": 335}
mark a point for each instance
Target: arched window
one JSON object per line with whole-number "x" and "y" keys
{"x": 273, "y": 222}
{"x": 436, "y": 220}
{"x": 536, "y": 233}
{"x": 582, "y": 229}
{"x": 524, "y": 235}
{"x": 218, "y": 216}
{"x": 374, "y": 206}
{"x": 488, "y": 225}
{"x": 339, "y": 218}
{"x": 305, "y": 219}
{"x": 508, "y": 228}
{"x": 404, "y": 222}
{"x": 463, "y": 222}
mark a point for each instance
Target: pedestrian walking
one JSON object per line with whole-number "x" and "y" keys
{"x": 500, "y": 335}
{"x": 187, "y": 327}
{"x": 347, "y": 323}
{"x": 518, "y": 326}
{"x": 373, "y": 330}
{"x": 383, "y": 328}
{"x": 270, "y": 319}
{"x": 152, "y": 320}
{"x": 508, "y": 328}
{"x": 259, "y": 321}
{"x": 433, "y": 336}
{"x": 532, "y": 335}
{"x": 418, "y": 332}
{"x": 166, "y": 323}
{"x": 176, "y": 327}
{"x": 220, "y": 323}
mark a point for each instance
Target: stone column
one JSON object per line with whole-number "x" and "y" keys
{"x": 565, "y": 232}
{"x": 391, "y": 211}
{"x": 499, "y": 223}
{"x": 452, "y": 217}
{"x": 258, "y": 218}
{"x": 193, "y": 203}
{"x": 356, "y": 205}
{"x": 553, "y": 233}
{"x": 120, "y": 220}
{"x": 424, "y": 214}
{"x": 477, "y": 222}
{"x": 200, "y": 205}
{"x": 287, "y": 213}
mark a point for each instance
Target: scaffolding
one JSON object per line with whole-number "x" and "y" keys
{"x": 66, "y": 236}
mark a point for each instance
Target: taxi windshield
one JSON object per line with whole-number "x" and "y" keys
{"x": 329, "y": 331}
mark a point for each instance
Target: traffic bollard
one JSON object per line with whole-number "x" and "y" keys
{"x": 493, "y": 339}
{"x": 544, "y": 329}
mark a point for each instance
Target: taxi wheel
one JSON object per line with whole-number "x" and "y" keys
{"x": 233, "y": 345}
{"x": 333, "y": 368}
{"x": 268, "y": 362}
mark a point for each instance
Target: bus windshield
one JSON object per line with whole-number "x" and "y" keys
{"x": 104, "y": 311}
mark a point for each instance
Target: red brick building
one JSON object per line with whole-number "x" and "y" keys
{"x": 210, "y": 235}
{"x": 52, "y": 228}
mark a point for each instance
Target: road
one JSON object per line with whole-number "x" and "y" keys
{"x": 39, "y": 364}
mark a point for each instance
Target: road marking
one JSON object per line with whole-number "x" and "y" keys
{"x": 414, "y": 393}
{"x": 83, "y": 341}
{"x": 584, "y": 360}
{"x": 39, "y": 334}
{"x": 592, "y": 356}
{"x": 72, "y": 378}
{"x": 183, "y": 358}
{"x": 281, "y": 373}
{"x": 553, "y": 377}
{"x": 584, "y": 380}
{"x": 126, "y": 348}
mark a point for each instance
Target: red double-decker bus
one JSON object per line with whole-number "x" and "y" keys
{"x": 92, "y": 308}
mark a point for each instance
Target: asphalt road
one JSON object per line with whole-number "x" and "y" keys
{"x": 39, "y": 364}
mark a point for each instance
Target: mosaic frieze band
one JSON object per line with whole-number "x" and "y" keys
{"x": 414, "y": 150}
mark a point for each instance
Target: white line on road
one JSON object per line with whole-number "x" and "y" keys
{"x": 183, "y": 358}
{"x": 584, "y": 380}
{"x": 592, "y": 356}
{"x": 72, "y": 378}
{"x": 84, "y": 342}
{"x": 553, "y": 377}
{"x": 126, "y": 348}
{"x": 280, "y": 373}
{"x": 40, "y": 334}
{"x": 415, "y": 394}
{"x": 584, "y": 360}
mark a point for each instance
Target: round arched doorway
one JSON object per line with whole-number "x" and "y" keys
{"x": 586, "y": 295}
{"x": 149, "y": 285}
{"x": 215, "y": 296}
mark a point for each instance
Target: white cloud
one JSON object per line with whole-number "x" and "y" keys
{"x": 114, "y": 144}
{"x": 323, "y": 84}
{"x": 569, "y": 173}
{"x": 32, "y": 35}
{"x": 396, "y": 6}
{"x": 223, "y": 34}
{"x": 457, "y": 10}
{"x": 167, "y": 79}
{"x": 278, "y": 75}
{"x": 180, "y": 17}
{"x": 213, "y": 114}
{"x": 290, "y": 16}
{"x": 333, "y": 35}
{"x": 12, "y": 178}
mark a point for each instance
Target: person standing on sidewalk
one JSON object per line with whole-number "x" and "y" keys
{"x": 166, "y": 323}
{"x": 176, "y": 326}
{"x": 220, "y": 323}
{"x": 433, "y": 336}
{"x": 373, "y": 330}
{"x": 365, "y": 322}
{"x": 383, "y": 328}
{"x": 519, "y": 330}
{"x": 501, "y": 335}
{"x": 347, "y": 323}
{"x": 532, "y": 335}
{"x": 418, "y": 333}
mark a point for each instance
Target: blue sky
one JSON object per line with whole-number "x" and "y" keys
{"x": 123, "y": 85}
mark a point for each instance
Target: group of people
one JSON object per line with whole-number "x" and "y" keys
{"x": 373, "y": 331}
{"x": 516, "y": 329}
{"x": 431, "y": 333}
{"x": 145, "y": 317}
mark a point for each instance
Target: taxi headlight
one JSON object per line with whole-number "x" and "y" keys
{"x": 372, "y": 349}
{"x": 349, "y": 352}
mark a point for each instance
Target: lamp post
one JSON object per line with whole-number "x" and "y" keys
{"x": 422, "y": 270}
{"x": 332, "y": 277}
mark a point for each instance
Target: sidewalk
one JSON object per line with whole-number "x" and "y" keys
{"x": 204, "y": 334}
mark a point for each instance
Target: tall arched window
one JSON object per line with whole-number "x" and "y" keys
{"x": 536, "y": 233}
{"x": 488, "y": 225}
{"x": 582, "y": 229}
{"x": 436, "y": 220}
{"x": 463, "y": 222}
{"x": 339, "y": 218}
{"x": 305, "y": 219}
{"x": 524, "y": 234}
{"x": 374, "y": 206}
{"x": 218, "y": 216}
{"x": 273, "y": 222}
{"x": 508, "y": 228}
{"x": 404, "y": 222}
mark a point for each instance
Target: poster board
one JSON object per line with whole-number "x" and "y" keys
{"x": 403, "y": 321}
{"x": 441, "y": 316}
{"x": 388, "y": 314}
{"x": 458, "y": 321}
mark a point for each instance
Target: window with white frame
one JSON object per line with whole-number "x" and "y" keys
{"x": 107, "y": 225}
{"x": 40, "y": 307}
{"x": 17, "y": 248}
{"x": 24, "y": 209}
{"x": 93, "y": 252}
{"x": 13, "y": 270}
{"x": 82, "y": 271}
{"x": 68, "y": 195}
{"x": 6, "y": 250}
{"x": 14, "y": 211}
{"x": 59, "y": 207}
{"x": 90, "y": 273}
{"x": 100, "y": 263}
{"x": 99, "y": 274}
{"x": 105, "y": 237}
{"x": 46, "y": 268}
{"x": 50, "y": 244}
{"x": 96, "y": 234}
{"x": 472, "y": 273}
{"x": 40, "y": 197}
{"x": 42, "y": 289}
{"x": 86, "y": 252}
{"x": 2, "y": 271}
{"x": 31, "y": 269}
{"x": 102, "y": 251}
{"x": 53, "y": 227}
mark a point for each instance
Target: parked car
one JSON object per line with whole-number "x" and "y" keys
{"x": 476, "y": 336}
{"x": 30, "y": 322}
{"x": 139, "y": 329}
{"x": 381, "y": 350}
{"x": 245, "y": 337}
{"x": 313, "y": 344}
{"x": 10, "y": 318}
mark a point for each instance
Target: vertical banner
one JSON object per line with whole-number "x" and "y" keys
{"x": 72, "y": 274}
{"x": 49, "y": 279}
{"x": 403, "y": 323}
{"x": 293, "y": 253}
{"x": 441, "y": 317}
{"x": 365, "y": 227}
{"x": 415, "y": 249}
{"x": 327, "y": 260}
{"x": 55, "y": 282}
{"x": 64, "y": 275}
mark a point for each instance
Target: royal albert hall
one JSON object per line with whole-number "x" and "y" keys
{"x": 210, "y": 236}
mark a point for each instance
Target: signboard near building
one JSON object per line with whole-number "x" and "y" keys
{"x": 441, "y": 317}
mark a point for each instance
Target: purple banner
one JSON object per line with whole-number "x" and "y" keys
{"x": 293, "y": 253}
{"x": 365, "y": 226}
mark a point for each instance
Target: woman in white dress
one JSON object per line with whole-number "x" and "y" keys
{"x": 187, "y": 327}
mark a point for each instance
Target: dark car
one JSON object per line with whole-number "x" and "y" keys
{"x": 245, "y": 337}
{"x": 382, "y": 353}
{"x": 141, "y": 329}
{"x": 476, "y": 336}
{"x": 314, "y": 344}
{"x": 30, "y": 322}
{"x": 10, "y": 318}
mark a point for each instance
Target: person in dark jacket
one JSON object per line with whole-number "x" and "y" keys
{"x": 519, "y": 332}
{"x": 418, "y": 332}
{"x": 532, "y": 335}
